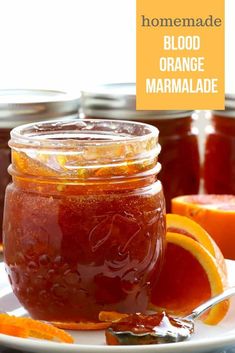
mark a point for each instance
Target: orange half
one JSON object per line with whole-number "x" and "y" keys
{"x": 215, "y": 213}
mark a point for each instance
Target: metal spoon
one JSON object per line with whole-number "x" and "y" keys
{"x": 170, "y": 329}
{"x": 197, "y": 312}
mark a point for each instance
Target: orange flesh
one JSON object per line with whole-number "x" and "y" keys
{"x": 182, "y": 291}
{"x": 220, "y": 202}
{"x": 211, "y": 199}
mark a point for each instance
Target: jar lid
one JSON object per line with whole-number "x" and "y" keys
{"x": 118, "y": 101}
{"x": 229, "y": 107}
{"x": 20, "y": 106}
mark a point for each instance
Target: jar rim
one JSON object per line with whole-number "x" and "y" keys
{"x": 57, "y": 133}
{"x": 85, "y": 149}
{"x": 22, "y": 106}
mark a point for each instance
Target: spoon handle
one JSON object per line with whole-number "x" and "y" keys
{"x": 210, "y": 303}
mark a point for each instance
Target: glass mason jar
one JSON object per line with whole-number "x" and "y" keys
{"x": 84, "y": 224}
{"x": 180, "y": 174}
{"x": 24, "y": 106}
{"x": 219, "y": 165}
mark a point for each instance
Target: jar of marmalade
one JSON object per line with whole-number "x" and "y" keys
{"x": 84, "y": 225}
{"x": 219, "y": 165}
{"x": 180, "y": 174}
{"x": 22, "y": 106}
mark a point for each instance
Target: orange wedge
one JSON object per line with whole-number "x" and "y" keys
{"x": 186, "y": 226}
{"x": 190, "y": 276}
{"x": 215, "y": 213}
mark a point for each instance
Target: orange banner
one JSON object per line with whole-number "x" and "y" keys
{"x": 180, "y": 54}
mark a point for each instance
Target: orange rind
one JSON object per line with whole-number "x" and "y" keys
{"x": 111, "y": 316}
{"x": 12, "y": 330}
{"x": 81, "y": 326}
{"x": 26, "y": 327}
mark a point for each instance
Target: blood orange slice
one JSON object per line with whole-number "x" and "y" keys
{"x": 190, "y": 276}
{"x": 186, "y": 226}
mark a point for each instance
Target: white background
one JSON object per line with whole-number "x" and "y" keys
{"x": 67, "y": 44}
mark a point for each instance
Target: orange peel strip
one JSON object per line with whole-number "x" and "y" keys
{"x": 82, "y": 326}
{"x": 111, "y": 316}
{"x": 34, "y": 328}
{"x": 16, "y": 331}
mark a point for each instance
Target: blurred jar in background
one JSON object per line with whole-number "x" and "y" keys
{"x": 179, "y": 157}
{"x": 24, "y": 106}
{"x": 219, "y": 166}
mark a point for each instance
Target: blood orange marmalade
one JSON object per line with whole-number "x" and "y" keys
{"x": 84, "y": 223}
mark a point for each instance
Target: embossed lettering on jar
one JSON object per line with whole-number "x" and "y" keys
{"x": 84, "y": 223}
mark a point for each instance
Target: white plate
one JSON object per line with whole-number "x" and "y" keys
{"x": 206, "y": 338}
